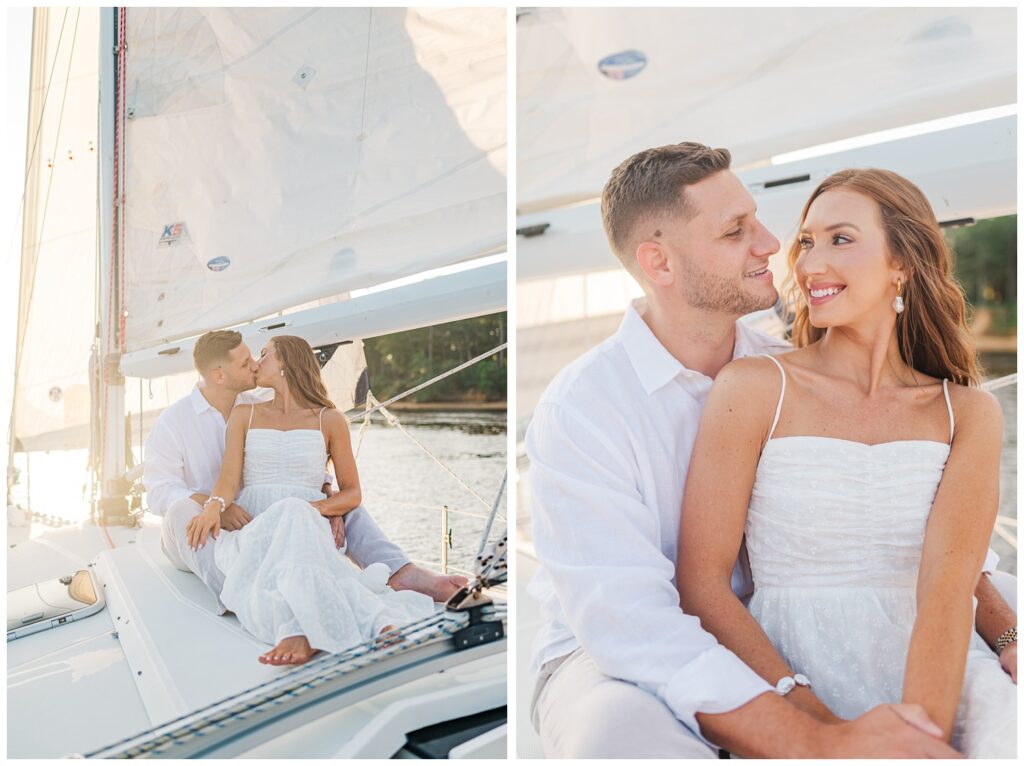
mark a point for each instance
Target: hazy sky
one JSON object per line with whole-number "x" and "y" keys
{"x": 17, "y": 33}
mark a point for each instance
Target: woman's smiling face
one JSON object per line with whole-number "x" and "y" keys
{"x": 845, "y": 271}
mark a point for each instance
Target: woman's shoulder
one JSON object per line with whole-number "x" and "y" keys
{"x": 974, "y": 402}
{"x": 749, "y": 370}
{"x": 332, "y": 416}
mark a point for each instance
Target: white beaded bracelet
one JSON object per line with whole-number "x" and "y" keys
{"x": 787, "y": 684}
{"x": 223, "y": 505}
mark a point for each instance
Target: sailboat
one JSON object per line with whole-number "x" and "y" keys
{"x": 336, "y": 174}
{"x": 794, "y": 94}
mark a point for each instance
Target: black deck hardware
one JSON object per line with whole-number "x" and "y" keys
{"x": 478, "y": 631}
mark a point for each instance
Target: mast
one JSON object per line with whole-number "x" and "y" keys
{"x": 113, "y": 503}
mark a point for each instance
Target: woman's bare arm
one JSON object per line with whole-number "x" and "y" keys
{"x": 733, "y": 428}
{"x": 349, "y": 495}
{"x": 956, "y": 538}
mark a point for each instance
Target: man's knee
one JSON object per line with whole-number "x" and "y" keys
{"x": 585, "y": 714}
{"x": 180, "y": 512}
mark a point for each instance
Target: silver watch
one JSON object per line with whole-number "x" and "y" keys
{"x": 787, "y": 684}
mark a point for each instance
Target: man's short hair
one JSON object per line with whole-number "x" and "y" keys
{"x": 213, "y": 348}
{"x": 650, "y": 182}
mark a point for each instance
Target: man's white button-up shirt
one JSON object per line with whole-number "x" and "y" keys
{"x": 193, "y": 427}
{"x": 609, "y": 446}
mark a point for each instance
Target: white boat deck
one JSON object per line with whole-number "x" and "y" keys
{"x": 159, "y": 651}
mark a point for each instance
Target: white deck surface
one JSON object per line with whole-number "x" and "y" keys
{"x": 158, "y": 650}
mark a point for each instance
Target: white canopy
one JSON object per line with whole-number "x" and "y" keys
{"x": 279, "y": 155}
{"x": 596, "y": 85}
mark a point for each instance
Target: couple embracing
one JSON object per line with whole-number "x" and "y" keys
{"x": 247, "y": 505}
{"x": 769, "y": 549}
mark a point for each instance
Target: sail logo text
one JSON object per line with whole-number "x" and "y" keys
{"x": 172, "y": 233}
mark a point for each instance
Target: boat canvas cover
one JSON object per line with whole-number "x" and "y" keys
{"x": 596, "y": 85}
{"x": 279, "y": 155}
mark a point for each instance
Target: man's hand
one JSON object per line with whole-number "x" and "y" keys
{"x": 338, "y": 529}
{"x": 888, "y": 731}
{"x": 1008, "y": 659}
{"x": 234, "y": 518}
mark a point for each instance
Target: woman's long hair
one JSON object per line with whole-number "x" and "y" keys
{"x": 932, "y": 331}
{"x": 301, "y": 370}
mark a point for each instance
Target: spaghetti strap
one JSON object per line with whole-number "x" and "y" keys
{"x": 252, "y": 409}
{"x": 321, "y": 425}
{"x": 949, "y": 407}
{"x": 782, "y": 393}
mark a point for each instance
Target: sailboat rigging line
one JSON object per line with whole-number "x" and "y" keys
{"x": 39, "y": 128}
{"x": 494, "y": 512}
{"x": 53, "y": 166}
{"x": 316, "y": 681}
{"x": 393, "y": 421}
{"x": 997, "y": 383}
{"x": 366, "y": 78}
{"x": 433, "y": 380}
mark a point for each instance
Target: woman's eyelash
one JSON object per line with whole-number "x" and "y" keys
{"x": 734, "y": 233}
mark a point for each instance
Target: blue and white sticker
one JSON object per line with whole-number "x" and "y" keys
{"x": 219, "y": 263}
{"x": 622, "y": 66}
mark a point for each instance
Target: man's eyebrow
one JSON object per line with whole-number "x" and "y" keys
{"x": 734, "y": 219}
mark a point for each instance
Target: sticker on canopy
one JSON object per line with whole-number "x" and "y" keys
{"x": 622, "y": 66}
{"x": 173, "y": 233}
{"x": 219, "y": 263}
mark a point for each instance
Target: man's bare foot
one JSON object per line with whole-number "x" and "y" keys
{"x": 293, "y": 650}
{"x": 438, "y": 586}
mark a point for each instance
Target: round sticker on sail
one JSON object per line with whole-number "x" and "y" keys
{"x": 219, "y": 263}
{"x": 622, "y": 66}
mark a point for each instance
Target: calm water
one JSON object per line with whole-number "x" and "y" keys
{"x": 403, "y": 488}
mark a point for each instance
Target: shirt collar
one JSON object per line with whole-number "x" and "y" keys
{"x": 653, "y": 363}
{"x": 199, "y": 403}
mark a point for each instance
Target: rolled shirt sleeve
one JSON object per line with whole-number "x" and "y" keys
{"x": 164, "y": 470}
{"x": 598, "y": 544}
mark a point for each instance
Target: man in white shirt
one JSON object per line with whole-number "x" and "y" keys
{"x": 621, "y": 670}
{"x": 182, "y": 462}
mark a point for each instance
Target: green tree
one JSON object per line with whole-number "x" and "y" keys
{"x": 400, "y": 361}
{"x": 985, "y": 262}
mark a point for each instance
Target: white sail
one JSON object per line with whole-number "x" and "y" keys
{"x": 598, "y": 84}
{"x": 276, "y": 156}
{"x": 57, "y": 305}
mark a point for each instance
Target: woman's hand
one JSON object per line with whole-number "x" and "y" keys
{"x": 1008, "y": 659}
{"x": 201, "y": 525}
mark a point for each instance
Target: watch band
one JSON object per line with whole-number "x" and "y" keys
{"x": 787, "y": 684}
{"x": 1009, "y": 636}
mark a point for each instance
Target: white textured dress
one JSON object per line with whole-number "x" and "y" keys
{"x": 834, "y": 533}
{"x": 284, "y": 575}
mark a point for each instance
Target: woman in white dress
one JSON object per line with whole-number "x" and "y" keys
{"x": 862, "y": 469}
{"x": 283, "y": 574}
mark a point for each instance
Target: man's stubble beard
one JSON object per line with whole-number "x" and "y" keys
{"x": 707, "y": 291}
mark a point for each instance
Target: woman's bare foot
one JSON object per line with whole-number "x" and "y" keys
{"x": 438, "y": 586}
{"x": 293, "y": 650}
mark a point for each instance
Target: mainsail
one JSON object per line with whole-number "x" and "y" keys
{"x": 598, "y": 84}
{"x": 279, "y": 155}
{"x": 57, "y": 306}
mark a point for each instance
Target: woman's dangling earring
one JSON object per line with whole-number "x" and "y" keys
{"x": 899, "y": 309}
{"x": 898, "y": 304}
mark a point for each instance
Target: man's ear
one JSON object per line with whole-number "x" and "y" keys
{"x": 653, "y": 262}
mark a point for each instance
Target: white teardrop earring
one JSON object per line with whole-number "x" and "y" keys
{"x": 898, "y": 304}
{"x": 282, "y": 371}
